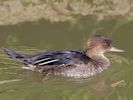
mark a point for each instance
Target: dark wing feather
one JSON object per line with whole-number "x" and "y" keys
{"x": 50, "y": 58}
{"x": 59, "y": 57}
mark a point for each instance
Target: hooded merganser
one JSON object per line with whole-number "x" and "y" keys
{"x": 71, "y": 63}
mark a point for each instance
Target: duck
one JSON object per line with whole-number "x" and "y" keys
{"x": 83, "y": 63}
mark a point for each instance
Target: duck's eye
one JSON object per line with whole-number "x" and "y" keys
{"x": 107, "y": 41}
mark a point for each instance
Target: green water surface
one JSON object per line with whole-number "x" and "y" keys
{"x": 116, "y": 83}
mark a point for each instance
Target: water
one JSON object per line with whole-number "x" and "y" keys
{"x": 116, "y": 83}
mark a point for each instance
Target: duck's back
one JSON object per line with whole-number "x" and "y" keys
{"x": 59, "y": 57}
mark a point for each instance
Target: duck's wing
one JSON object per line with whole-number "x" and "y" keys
{"x": 51, "y": 58}
{"x": 42, "y": 59}
{"x": 59, "y": 57}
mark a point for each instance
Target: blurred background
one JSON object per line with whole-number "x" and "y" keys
{"x": 31, "y": 26}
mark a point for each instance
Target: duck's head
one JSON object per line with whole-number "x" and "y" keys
{"x": 99, "y": 45}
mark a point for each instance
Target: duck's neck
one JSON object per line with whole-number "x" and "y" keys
{"x": 99, "y": 58}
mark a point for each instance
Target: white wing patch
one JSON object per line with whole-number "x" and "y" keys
{"x": 41, "y": 60}
{"x": 45, "y": 61}
{"x": 48, "y": 62}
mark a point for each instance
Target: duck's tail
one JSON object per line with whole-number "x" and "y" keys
{"x": 20, "y": 57}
